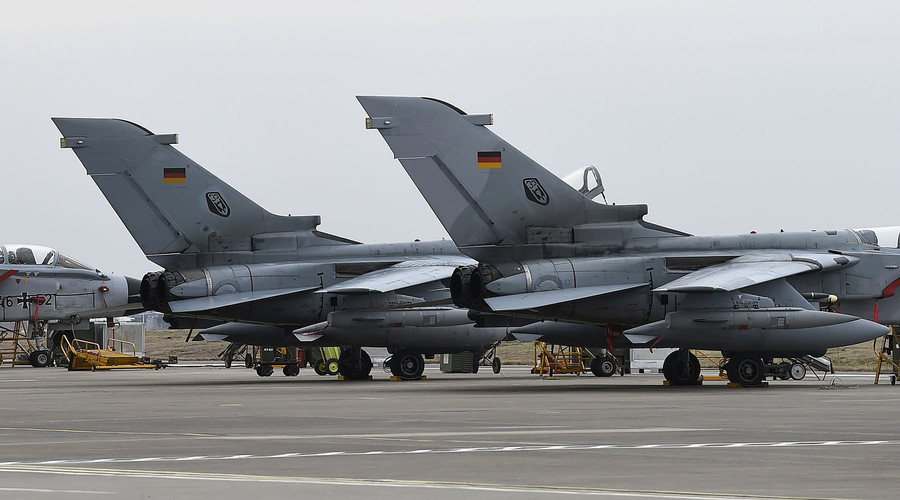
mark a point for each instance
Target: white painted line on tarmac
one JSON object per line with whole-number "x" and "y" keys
{"x": 474, "y": 449}
{"x": 386, "y": 483}
{"x": 531, "y": 431}
{"x": 63, "y": 492}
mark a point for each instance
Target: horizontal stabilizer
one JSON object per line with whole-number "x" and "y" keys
{"x": 231, "y": 299}
{"x": 532, "y": 300}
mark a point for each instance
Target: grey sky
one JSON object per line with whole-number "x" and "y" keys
{"x": 724, "y": 117}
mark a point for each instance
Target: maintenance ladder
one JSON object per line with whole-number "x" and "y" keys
{"x": 889, "y": 354}
{"x": 13, "y": 343}
{"x": 550, "y": 359}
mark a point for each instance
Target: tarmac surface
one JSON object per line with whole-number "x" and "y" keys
{"x": 204, "y": 432}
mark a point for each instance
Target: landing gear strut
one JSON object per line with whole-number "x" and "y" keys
{"x": 681, "y": 368}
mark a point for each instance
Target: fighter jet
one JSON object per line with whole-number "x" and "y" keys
{"x": 548, "y": 251}
{"x": 276, "y": 279}
{"x": 39, "y": 285}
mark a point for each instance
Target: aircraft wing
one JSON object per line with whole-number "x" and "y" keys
{"x": 230, "y": 299}
{"x": 531, "y": 300}
{"x": 396, "y": 277}
{"x": 752, "y": 270}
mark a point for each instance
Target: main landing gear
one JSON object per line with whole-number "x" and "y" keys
{"x": 407, "y": 365}
{"x": 681, "y": 368}
{"x": 746, "y": 369}
{"x": 355, "y": 364}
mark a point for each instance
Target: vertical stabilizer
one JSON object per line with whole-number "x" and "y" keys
{"x": 169, "y": 203}
{"x": 483, "y": 190}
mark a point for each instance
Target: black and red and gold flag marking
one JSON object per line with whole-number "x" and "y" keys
{"x": 174, "y": 176}
{"x": 489, "y": 159}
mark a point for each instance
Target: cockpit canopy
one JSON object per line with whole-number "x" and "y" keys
{"x": 36, "y": 255}
{"x": 887, "y": 237}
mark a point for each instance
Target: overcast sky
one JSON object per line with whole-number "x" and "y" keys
{"x": 724, "y": 117}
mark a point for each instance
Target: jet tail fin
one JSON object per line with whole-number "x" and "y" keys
{"x": 485, "y": 191}
{"x": 174, "y": 208}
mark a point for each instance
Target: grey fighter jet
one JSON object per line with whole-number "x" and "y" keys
{"x": 276, "y": 280}
{"x": 47, "y": 290}
{"x": 547, "y": 251}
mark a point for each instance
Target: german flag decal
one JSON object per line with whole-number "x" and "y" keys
{"x": 489, "y": 159}
{"x": 174, "y": 176}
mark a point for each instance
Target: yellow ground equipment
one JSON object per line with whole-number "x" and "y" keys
{"x": 551, "y": 359}
{"x": 326, "y": 361}
{"x": 266, "y": 359}
{"x": 18, "y": 347}
{"x": 889, "y": 354}
{"x": 119, "y": 354}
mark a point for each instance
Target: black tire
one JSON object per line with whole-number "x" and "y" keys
{"x": 681, "y": 368}
{"x": 355, "y": 364}
{"x": 319, "y": 367}
{"x": 248, "y": 361}
{"x": 40, "y": 359}
{"x": 407, "y": 366}
{"x": 749, "y": 370}
{"x": 731, "y": 371}
{"x": 265, "y": 370}
{"x": 496, "y": 365}
{"x": 604, "y": 366}
{"x": 476, "y": 364}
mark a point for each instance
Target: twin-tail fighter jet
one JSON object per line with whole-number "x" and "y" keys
{"x": 276, "y": 280}
{"x": 548, "y": 251}
{"x": 45, "y": 290}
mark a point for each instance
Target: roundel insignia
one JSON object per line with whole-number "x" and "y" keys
{"x": 535, "y": 192}
{"x": 217, "y": 205}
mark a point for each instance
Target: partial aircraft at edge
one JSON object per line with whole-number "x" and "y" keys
{"x": 39, "y": 285}
{"x": 277, "y": 278}
{"x": 547, "y": 251}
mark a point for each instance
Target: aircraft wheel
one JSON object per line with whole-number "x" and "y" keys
{"x": 798, "y": 371}
{"x": 40, "y": 359}
{"x": 265, "y": 370}
{"x": 495, "y": 365}
{"x": 893, "y": 379}
{"x": 248, "y": 361}
{"x": 407, "y": 366}
{"x": 332, "y": 366}
{"x": 355, "y": 364}
{"x": 320, "y": 367}
{"x": 731, "y": 371}
{"x": 476, "y": 364}
{"x": 604, "y": 366}
{"x": 681, "y": 368}
{"x": 749, "y": 370}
